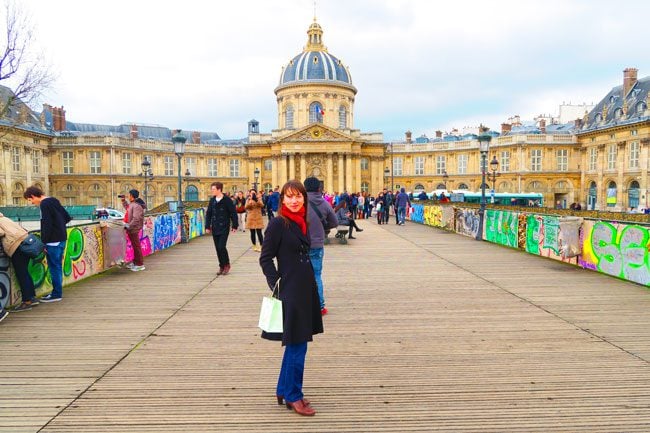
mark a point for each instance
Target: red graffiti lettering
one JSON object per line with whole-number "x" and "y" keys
{"x": 78, "y": 269}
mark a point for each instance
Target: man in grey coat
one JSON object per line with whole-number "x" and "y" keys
{"x": 321, "y": 217}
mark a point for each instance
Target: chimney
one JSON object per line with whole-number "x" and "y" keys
{"x": 408, "y": 136}
{"x": 542, "y": 126}
{"x": 58, "y": 119}
{"x": 629, "y": 79}
{"x": 438, "y": 134}
{"x": 505, "y": 128}
{"x": 196, "y": 137}
{"x": 134, "y": 131}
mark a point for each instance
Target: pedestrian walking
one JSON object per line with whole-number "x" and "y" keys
{"x": 287, "y": 241}
{"x": 254, "y": 207}
{"x": 321, "y": 219}
{"x": 11, "y": 236}
{"x": 54, "y": 235}
{"x": 402, "y": 202}
{"x": 240, "y": 207}
{"x": 219, "y": 217}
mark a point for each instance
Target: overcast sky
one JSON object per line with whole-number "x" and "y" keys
{"x": 418, "y": 65}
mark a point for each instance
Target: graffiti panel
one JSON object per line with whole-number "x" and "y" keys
{"x": 417, "y": 213}
{"x": 467, "y": 221}
{"x": 501, "y": 227}
{"x": 616, "y": 249}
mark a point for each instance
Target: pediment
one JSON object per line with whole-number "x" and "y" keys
{"x": 316, "y": 133}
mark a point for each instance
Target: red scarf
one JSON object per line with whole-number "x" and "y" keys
{"x": 296, "y": 217}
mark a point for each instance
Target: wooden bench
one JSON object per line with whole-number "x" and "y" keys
{"x": 342, "y": 233}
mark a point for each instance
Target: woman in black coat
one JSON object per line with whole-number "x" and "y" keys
{"x": 287, "y": 240}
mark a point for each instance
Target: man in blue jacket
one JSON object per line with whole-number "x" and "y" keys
{"x": 402, "y": 201}
{"x": 321, "y": 218}
{"x": 273, "y": 202}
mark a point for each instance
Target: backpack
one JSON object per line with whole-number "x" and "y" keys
{"x": 320, "y": 217}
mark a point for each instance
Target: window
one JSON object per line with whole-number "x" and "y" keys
{"x": 398, "y": 164}
{"x": 15, "y": 158}
{"x": 611, "y": 157}
{"x": 562, "y": 159}
{"x": 598, "y": 118}
{"x": 611, "y": 194}
{"x": 148, "y": 158}
{"x": 365, "y": 187}
{"x": 462, "y": 163}
{"x": 69, "y": 188}
{"x": 593, "y": 158}
{"x": 640, "y": 107}
{"x": 316, "y": 112}
{"x": 634, "y": 133}
{"x": 268, "y": 164}
{"x": 535, "y": 185}
{"x": 234, "y": 168}
{"x": 343, "y": 117}
{"x": 212, "y": 166}
{"x": 36, "y": 161}
{"x": 618, "y": 113}
{"x": 95, "y": 162}
{"x": 536, "y": 160}
{"x": 364, "y": 163}
{"x": 418, "y": 187}
{"x": 190, "y": 166}
{"x": 463, "y": 186}
{"x": 634, "y": 154}
{"x": 169, "y": 166}
{"x": 69, "y": 201}
{"x": 268, "y": 188}
{"x": 419, "y": 165}
{"x": 504, "y": 165}
{"x": 288, "y": 117}
{"x": 441, "y": 164}
{"x": 126, "y": 163}
{"x": 68, "y": 162}
{"x": 95, "y": 189}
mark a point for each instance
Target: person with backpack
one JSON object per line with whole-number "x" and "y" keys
{"x": 321, "y": 218}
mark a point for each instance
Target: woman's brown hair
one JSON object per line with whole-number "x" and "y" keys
{"x": 294, "y": 186}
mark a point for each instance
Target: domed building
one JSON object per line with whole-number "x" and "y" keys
{"x": 315, "y": 134}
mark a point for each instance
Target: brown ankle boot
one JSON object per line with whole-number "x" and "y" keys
{"x": 226, "y": 269}
{"x": 301, "y": 408}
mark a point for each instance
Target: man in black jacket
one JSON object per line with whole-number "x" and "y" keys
{"x": 218, "y": 218}
{"x": 54, "y": 235}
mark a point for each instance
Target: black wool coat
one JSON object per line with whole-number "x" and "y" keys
{"x": 298, "y": 290}
{"x": 219, "y": 216}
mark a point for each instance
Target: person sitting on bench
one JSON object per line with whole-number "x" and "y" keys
{"x": 343, "y": 215}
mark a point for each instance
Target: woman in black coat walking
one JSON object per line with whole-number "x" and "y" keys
{"x": 287, "y": 240}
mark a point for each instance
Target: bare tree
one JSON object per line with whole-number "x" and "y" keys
{"x": 22, "y": 72}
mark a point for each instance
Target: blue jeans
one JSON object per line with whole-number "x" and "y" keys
{"x": 291, "y": 373}
{"x": 316, "y": 257}
{"x": 401, "y": 214}
{"x": 54, "y": 257}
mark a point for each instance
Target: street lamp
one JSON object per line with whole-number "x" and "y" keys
{"x": 494, "y": 166}
{"x": 147, "y": 174}
{"x": 386, "y": 174}
{"x": 445, "y": 178}
{"x": 179, "y": 149}
{"x": 257, "y": 176}
{"x": 484, "y": 147}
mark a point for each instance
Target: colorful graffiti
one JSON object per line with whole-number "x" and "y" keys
{"x": 620, "y": 250}
{"x": 501, "y": 227}
{"x": 542, "y": 235}
{"x": 196, "y": 219}
{"x": 467, "y": 222}
{"x": 167, "y": 231}
{"x": 417, "y": 213}
{"x": 439, "y": 216}
{"x": 5, "y": 279}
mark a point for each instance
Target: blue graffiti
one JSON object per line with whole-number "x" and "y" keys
{"x": 418, "y": 213}
{"x": 164, "y": 231}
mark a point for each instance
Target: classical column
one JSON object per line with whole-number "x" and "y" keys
{"x": 621, "y": 201}
{"x": 251, "y": 174}
{"x": 275, "y": 171}
{"x": 357, "y": 173}
{"x": 303, "y": 168}
{"x": 329, "y": 183}
{"x": 348, "y": 173}
{"x": 6, "y": 156}
{"x": 341, "y": 174}
{"x": 643, "y": 162}
{"x": 282, "y": 176}
{"x": 29, "y": 165}
{"x": 292, "y": 166}
{"x": 601, "y": 189}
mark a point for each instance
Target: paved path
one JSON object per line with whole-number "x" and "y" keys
{"x": 428, "y": 331}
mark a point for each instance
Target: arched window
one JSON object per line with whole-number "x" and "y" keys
{"x": 420, "y": 187}
{"x": 191, "y": 193}
{"x": 365, "y": 187}
{"x": 343, "y": 117}
{"x": 95, "y": 188}
{"x": 640, "y": 107}
{"x": 316, "y": 112}
{"x": 618, "y": 113}
{"x": 126, "y": 188}
{"x": 68, "y": 187}
{"x": 463, "y": 186}
{"x": 441, "y": 186}
{"x": 611, "y": 194}
{"x": 561, "y": 185}
{"x": 535, "y": 185}
{"x": 592, "y": 195}
{"x": 598, "y": 117}
{"x": 503, "y": 187}
{"x": 633, "y": 194}
{"x": 288, "y": 117}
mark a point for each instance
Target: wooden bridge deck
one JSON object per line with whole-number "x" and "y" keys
{"x": 428, "y": 331}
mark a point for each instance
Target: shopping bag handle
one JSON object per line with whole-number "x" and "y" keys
{"x": 276, "y": 287}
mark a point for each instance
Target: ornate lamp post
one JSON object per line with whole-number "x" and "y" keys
{"x": 147, "y": 174}
{"x": 386, "y": 174}
{"x": 179, "y": 149}
{"x": 445, "y": 178}
{"x": 494, "y": 166}
{"x": 484, "y": 147}
{"x": 257, "y": 176}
